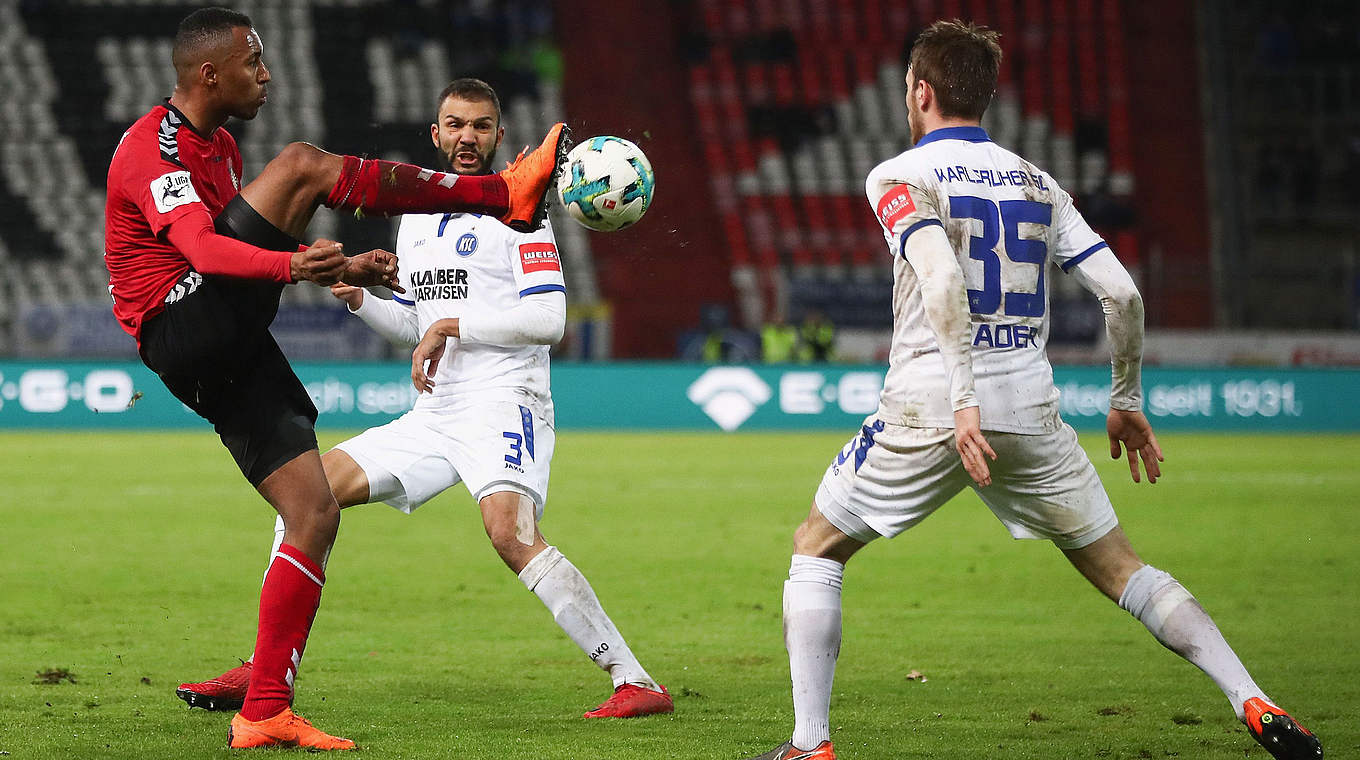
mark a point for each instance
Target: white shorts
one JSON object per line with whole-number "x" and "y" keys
{"x": 493, "y": 447}
{"x": 891, "y": 477}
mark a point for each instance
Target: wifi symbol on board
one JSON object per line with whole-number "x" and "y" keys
{"x": 729, "y": 395}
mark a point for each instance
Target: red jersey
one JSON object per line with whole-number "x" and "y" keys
{"x": 163, "y": 173}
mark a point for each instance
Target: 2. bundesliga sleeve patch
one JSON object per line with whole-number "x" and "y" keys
{"x": 894, "y": 206}
{"x": 172, "y": 190}
{"x": 539, "y": 257}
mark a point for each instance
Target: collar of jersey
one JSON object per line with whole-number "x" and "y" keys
{"x": 971, "y": 134}
{"x": 170, "y": 107}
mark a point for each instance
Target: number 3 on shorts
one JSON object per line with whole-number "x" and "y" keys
{"x": 521, "y": 441}
{"x": 516, "y": 445}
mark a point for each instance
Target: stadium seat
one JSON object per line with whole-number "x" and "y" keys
{"x": 58, "y": 125}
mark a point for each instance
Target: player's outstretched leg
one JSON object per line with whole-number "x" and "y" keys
{"x": 573, "y": 604}
{"x": 1177, "y": 620}
{"x": 511, "y": 521}
{"x": 304, "y": 177}
{"x": 517, "y": 195}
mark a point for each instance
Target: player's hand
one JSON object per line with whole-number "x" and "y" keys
{"x": 376, "y": 267}
{"x": 352, "y": 296}
{"x": 972, "y": 446}
{"x": 1134, "y": 432}
{"x": 425, "y": 359}
{"x": 323, "y": 263}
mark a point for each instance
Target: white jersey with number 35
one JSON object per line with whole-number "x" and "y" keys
{"x": 1005, "y": 220}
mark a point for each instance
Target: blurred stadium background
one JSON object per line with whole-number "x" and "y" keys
{"x": 1213, "y": 143}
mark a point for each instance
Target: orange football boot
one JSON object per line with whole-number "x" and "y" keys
{"x": 287, "y": 729}
{"x": 529, "y": 177}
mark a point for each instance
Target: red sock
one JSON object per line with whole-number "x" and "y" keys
{"x": 288, "y": 602}
{"x": 388, "y": 188}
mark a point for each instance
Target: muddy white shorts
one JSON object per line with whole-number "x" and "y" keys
{"x": 498, "y": 446}
{"x": 891, "y": 477}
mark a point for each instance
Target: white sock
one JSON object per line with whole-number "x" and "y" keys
{"x": 812, "y": 635}
{"x": 573, "y": 604}
{"x": 1181, "y": 625}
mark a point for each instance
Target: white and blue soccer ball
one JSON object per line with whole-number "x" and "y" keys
{"x": 607, "y": 183}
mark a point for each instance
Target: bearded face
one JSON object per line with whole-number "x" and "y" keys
{"x": 467, "y": 134}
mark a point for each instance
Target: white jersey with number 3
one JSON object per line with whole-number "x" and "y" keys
{"x": 456, "y": 265}
{"x": 1006, "y": 220}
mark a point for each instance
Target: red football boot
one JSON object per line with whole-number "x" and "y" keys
{"x": 632, "y": 701}
{"x": 225, "y": 692}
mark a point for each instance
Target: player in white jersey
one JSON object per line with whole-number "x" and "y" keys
{"x": 483, "y": 303}
{"x": 972, "y": 227}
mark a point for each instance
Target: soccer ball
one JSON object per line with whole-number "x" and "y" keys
{"x": 607, "y": 183}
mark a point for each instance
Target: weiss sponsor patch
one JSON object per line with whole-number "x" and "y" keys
{"x": 539, "y": 257}
{"x": 895, "y": 205}
{"x": 172, "y": 191}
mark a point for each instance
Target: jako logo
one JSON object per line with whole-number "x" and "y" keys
{"x": 729, "y": 395}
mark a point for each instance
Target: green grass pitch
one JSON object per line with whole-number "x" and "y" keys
{"x": 133, "y": 561}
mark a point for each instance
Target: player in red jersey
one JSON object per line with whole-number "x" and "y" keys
{"x": 196, "y": 267}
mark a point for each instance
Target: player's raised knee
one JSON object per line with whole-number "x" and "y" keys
{"x": 303, "y": 161}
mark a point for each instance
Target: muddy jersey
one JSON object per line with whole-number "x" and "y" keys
{"x": 1005, "y": 220}
{"x": 456, "y": 265}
